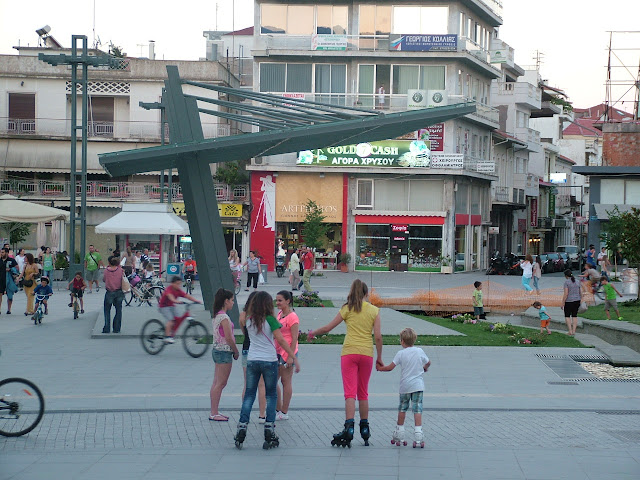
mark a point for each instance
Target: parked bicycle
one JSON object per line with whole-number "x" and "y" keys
{"x": 195, "y": 336}
{"x": 143, "y": 291}
{"x": 235, "y": 277}
{"x": 21, "y": 406}
{"x": 40, "y": 309}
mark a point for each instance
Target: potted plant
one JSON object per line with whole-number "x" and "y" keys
{"x": 345, "y": 259}
{"x": 445, "y": 264}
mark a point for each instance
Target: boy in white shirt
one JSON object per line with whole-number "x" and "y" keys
{"x": 413, "y": 362}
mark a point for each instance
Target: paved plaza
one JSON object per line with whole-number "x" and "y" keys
{"x": 500, "y": 413}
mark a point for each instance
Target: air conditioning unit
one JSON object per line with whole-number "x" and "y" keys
{"x": 561, "y": 223}
{"x": 417, "y": 99}
{"x": 437, "y": 98}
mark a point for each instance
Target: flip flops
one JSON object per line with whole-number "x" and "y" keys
{"x": 218, "y": 418}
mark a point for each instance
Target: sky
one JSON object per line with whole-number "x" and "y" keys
{"x": 571, "y": 34}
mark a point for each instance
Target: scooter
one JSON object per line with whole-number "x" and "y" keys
{"x": 280, "y": 266}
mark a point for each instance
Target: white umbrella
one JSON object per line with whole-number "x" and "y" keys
{"x": 14, "y": 210}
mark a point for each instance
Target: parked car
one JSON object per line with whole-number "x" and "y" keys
{"x": 554, "y": 262}
{"x": 574, "y": 255}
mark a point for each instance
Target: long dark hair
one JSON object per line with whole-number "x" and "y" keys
{"x": 260, "y": 308}
{"x": 219, "y": 299}
{"x": 538, "y": 261}
{"x": 30, "y": 259}
{"x": 569, "y": 274}
{"x": 246, "y": 305}
{"x": 358, "y": 291}
{"x": 286, "y": 294}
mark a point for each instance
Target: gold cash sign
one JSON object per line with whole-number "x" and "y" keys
{"x": 226, "y": 210}
{"x": 293, "y": 192}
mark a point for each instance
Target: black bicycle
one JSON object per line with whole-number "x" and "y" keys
{"x": 195, "y": 336}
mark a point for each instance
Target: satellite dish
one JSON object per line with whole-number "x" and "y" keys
{"x": 43, "y": 31}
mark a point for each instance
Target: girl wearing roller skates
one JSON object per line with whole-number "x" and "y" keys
{"x": 413, "y": 362}
{"x": 361, "y": 318}
{"x": 262, "y": 361}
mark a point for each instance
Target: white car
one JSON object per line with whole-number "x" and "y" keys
{"x": 573, "y": 252}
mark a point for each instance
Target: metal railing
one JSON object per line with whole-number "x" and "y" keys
{"x": 112, "y": 190}
{"x": 119, "y": 130}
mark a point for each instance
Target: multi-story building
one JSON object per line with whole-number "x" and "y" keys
{"x": 35, "y": 131}
{"x": 388, "y": 56}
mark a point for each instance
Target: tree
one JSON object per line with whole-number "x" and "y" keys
{"x": 313, "y": 228}
{"x": 18, "y": 232}
{"x": 116, "y": 51}
{"x": 612, "y": 236}
{"x": 231, "y": 173}
{"x": 629, "y": 224}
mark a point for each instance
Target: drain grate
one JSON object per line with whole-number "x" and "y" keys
{"x": 618, "y": 412}
{"x": 596, "y": 379}
{"x": 625, "y": 435}
{"x": 590, "y": 358}
{"x": 549, "y": 355}
{"x": 563, "y": 383}
{"x": 564, "y": 367}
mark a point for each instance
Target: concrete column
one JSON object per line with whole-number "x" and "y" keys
{"x": 449, "y": 227}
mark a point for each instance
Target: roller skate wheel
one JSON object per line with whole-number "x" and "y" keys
{"x": 421, "y": 444}
{"x": 404, "y": 443}
{"x": 393, "y": 442}
{"x": 415, "y": 444}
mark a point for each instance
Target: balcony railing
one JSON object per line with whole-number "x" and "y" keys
{"x": 116, "y": 191}
{"x": 529, "y": 135}
{"x": 120, "y": 130}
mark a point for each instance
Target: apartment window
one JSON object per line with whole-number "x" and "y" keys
{"x": 474, "y": 145}
{"x": 424, "y": 20}
{"x": 462, "y": 201}
{"x": 299, "y": 77}
{"x": 463, "y": 24}
{"x": 620, "y": 192}
{"x": 460, "y": 83}
{"x": 285, "y": 77}
{"x": 332, "y": 19}
{"x": 370, "y": 77}
{"x": 300, "y": 19}
{"x": 331, "y": 79}
{"x": 22, "y": 113}
{"x": 273, "y": 18}
{"x": 459, "y": 146}
{"x": 365, "y": 194}
{"x": 406, "y": 77}
{"x": 101, "y": 116}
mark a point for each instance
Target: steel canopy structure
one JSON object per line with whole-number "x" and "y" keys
{"x": 286, "y": 125}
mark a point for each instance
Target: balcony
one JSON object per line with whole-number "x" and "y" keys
{"x": 520, "y": 93}
{"x": 112, "y": 191}
{"x": 531, "y": 136}
{"x": 119, "y": 131}
{"x": 514, "y": 196}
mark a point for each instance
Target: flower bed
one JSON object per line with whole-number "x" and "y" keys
{"x": 503, "y": 329}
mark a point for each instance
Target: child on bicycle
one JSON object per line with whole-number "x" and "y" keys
{"x": 167, "y": 306}
{"x": 43, "y": 290}
{"x": 77, "y": 286}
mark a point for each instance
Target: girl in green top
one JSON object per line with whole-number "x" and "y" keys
{"x": 47, "y": 263}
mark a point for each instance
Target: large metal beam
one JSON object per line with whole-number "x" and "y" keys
{"x": 238, "y": 147}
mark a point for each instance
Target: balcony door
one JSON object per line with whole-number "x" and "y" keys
{"x": 22, "y": 113}
{"x": 100, "y": 116}
{"x": 370, "y": 79}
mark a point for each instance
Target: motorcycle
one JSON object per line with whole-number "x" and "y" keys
{"x": 280, "y": 266}
{"x": 496, "y": 265}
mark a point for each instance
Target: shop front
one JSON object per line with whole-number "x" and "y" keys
{"x": 280, "y": 207}
{"x": 398, "y": 243}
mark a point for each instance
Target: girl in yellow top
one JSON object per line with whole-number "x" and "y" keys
{"x": 361, "y": 318}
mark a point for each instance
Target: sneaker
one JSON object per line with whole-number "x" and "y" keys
{"x": 97, "y": 289}
{"x": 262, "y": 419}
{"x": 81, "y": 311}
{"x": 169, "y": 340}
{"x": 70, "y": 305}
{"x": 619, "y": 318}
{"x": 282, "y": 416}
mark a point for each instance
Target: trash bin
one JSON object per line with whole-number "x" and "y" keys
{"x": 174, "y": 269}
{"x": 630, "y": 281}
{"x": 263, "y": 270}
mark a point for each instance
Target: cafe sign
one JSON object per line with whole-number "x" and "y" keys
{"x": 226, "y": 210}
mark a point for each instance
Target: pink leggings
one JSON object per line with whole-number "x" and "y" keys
{"x": 356, "y": 371}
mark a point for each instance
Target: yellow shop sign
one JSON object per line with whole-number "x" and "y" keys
{"x": 226, "y": 210}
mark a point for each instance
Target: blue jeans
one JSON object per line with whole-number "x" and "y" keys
{"x": 114, "y": 298}
{"x": 268, "y": 371}
{"x": 535, "y": 283}
{"x": 525, "y": 283}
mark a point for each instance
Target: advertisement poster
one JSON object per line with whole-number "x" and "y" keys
{"x": 434, "y": 135}
{"x": 423, "y": 43}
{"x": 328, "y": 42}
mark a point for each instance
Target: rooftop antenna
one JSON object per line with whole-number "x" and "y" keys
{"x": 95, "y": 45}
{"x": 538, "y": 57}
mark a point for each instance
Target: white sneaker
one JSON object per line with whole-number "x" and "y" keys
{"x": 262, "y": 419}
{"x": 282, "y": 416}
{"x": 169, "y": 340}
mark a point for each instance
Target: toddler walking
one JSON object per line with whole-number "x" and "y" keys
{"x": 413, "y": 363}
{"x": 544, "y": 316}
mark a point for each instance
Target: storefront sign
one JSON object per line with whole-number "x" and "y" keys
{"x": 400, "y": 228}
{"x": 434, "y": 136}
{"x": 552, "y": 205}
{"x": 522, "y": 225}
{"x": 534, "y": 213}
{"x": 494, "y": 230}
{"x": 387, "y": 153}
{"x": 423, "y": 43}
{"x": 447, "y": 160}
{"x": 226, "y": 210}
{"x": 328, "y": 42}
{"x": 486, "y": 167}
{"x": 185, "y": 240}
{"x": 295, "y": 190}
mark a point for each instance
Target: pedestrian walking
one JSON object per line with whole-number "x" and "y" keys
{"x": 545, "y": 319}
{"x": 610, "y": 292}
{"x": 527, "y": 272}
{"x": 11, "y": 288}
{"x": 413, "y": 363}
{"x": 537, "y": 274}
{"x": 92, "y": 265}
{"x": 128, "y": 261}
{"x": 253, "y": 270}
{"x": 308, "y": 258}
{"x": 113, "y": 296}
{"x": 21, "y": 259}
{"x": 6, "y": 279}
{"x": 571, "y": 301}
{"x": 262, "y": 361}
{"x": 29, "y": 282}
{"x": 591, "y": 256}
{"x": 478, "y": 305}
{"x": 361, "y": 319}
{"x": 294, "y": 270}
{"x": 290, "y": 328}
{"x": 224, "y": 350}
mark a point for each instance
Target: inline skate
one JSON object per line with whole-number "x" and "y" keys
{"x": 271, "y": 440}
{"x": 343, "y": 439}
{"x": 398, "y": 437}
{"x": 419, "y": 441}
{"x": 365, "y": 431}
{"x": 241, "y": 434}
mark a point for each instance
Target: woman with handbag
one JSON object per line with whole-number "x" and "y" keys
{"x": 29, "y": 282}
{"x": 113, "y": 280}
{"x": 571, "y": 301}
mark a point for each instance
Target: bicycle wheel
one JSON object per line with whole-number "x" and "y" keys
{"x": 76, "y": 309}
{"x": 189, "y": 288}
{"x": 195, "y": 339}
{"x": 128, "y": 297}
{"x": 21, "y": 406}
{"x": 153, "y": 296}
{"x": 152, "y": 336}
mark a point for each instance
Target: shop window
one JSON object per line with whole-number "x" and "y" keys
{"x": 332, "y": 19}
{"x": 461, "y": 235}
{"x": 462, "y": 194}
{"x": 425, "y": 248}
{"x": 365, "y": 194}
{"x": 372, "y": 247}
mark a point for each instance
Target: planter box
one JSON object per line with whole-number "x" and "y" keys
{"x": 446, "y": 269}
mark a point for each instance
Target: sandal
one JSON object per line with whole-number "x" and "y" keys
{"x": 218, "y": 418}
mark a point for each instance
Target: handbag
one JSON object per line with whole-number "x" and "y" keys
{"x": 583, "y": 307}
{"x": 125, "y": 286}
{"x": 27, "y": 283}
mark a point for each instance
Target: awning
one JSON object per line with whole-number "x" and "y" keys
{"x": 602, "y": 209}
{"x": 145, "y": 219}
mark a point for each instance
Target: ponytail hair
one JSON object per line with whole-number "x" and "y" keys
{"x": 358, "y": 291}
{"x": 569, "y": 274}
{"x": 287, "y": 295}
{"x": 221, "y": 296}
{"x": 260, "y": 308}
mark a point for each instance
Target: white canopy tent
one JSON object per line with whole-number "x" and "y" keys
{"x": 13, "y": 209}
{"x": 144, "y": 219}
